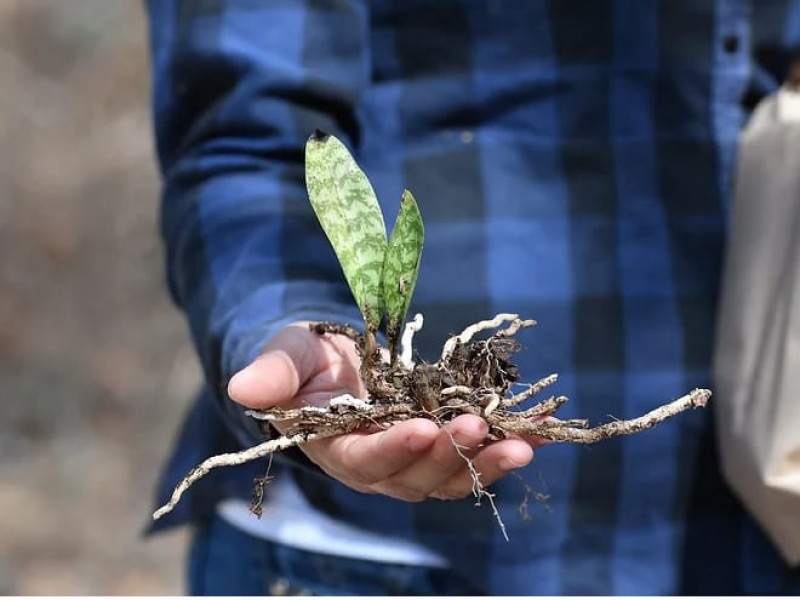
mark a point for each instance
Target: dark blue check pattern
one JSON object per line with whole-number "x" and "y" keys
{"x": 572, "y": 161}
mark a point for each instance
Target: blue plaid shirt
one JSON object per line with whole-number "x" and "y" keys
{"x": 572, "y": 162}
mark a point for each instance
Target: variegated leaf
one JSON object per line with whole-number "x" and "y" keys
{"x": 401, "y": 266}
{"x": 348, "y": 211}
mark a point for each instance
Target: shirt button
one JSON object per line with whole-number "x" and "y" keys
{"x": 730, "y": 43}
{"x": 280, "y": 587}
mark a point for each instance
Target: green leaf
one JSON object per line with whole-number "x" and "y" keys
{"x": 401, "y": 266}
{"x": 348, "y": 211}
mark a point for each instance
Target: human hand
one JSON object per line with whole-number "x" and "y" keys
{"x": 411, "y": 461}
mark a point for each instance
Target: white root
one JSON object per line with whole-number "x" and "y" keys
{"x": 545, "y": 408}
{"x": 407, "y": 340}
{"x": 494, "y": 402}
{"x": 562, "y": 432}
{"x": 344, "y": 401}
{"x": 238, "y": 458}
{"x": 470, "y": 332}
{"x": 348, "y": 401}
{"x": 464, "y": 390}
{"x": 515, "y": 326}
{"x": 531, "y": 391}
{"x": 280, "y": 414}
{"x": 479, "y": 491}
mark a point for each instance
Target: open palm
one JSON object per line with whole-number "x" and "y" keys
{"x": 411, "y": 461}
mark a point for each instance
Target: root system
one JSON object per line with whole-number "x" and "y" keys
{"x": 473, "y": 376}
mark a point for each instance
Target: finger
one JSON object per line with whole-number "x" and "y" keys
{"x": 491, "y": 463}
{"x": 291, "y": 358}
{"x": 418, "y": 480}
{"x": 368, "y": 459}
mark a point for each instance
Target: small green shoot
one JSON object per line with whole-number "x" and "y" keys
{"x": 401, "y": 267}
{"x": 381, "y": 275}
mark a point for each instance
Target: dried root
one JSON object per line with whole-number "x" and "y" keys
{"x": 473, "y": 376}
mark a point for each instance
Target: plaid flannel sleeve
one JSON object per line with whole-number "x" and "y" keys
{"x": 238, "y": 87}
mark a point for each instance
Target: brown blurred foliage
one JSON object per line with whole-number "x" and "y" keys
{"x": 95, "y": 369}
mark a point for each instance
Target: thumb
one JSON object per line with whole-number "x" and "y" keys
{"x": 288, "y": 361}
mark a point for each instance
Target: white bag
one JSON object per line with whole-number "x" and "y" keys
{"x": 757, "y": 358}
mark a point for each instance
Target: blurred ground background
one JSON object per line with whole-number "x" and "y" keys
{"x": 95, "y": 368}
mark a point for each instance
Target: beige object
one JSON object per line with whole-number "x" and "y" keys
{"x": 757, "y": 360}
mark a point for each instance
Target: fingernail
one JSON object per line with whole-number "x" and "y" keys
{"x": 232, "y": 384}
{"x": 238, "y": 381}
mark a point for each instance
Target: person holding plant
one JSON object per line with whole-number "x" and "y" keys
{"x": 571, "y": 161}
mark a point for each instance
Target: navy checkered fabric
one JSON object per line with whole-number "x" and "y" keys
{"x": 572, "y": 162}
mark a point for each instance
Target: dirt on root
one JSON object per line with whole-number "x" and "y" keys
{"x": 473, "y": 376}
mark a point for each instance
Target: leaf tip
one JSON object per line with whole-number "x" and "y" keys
{"x": 319, "y": 136}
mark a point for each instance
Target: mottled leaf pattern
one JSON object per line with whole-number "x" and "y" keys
{"x": 348, "y": 211}
{"x": 401, "y": 266}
